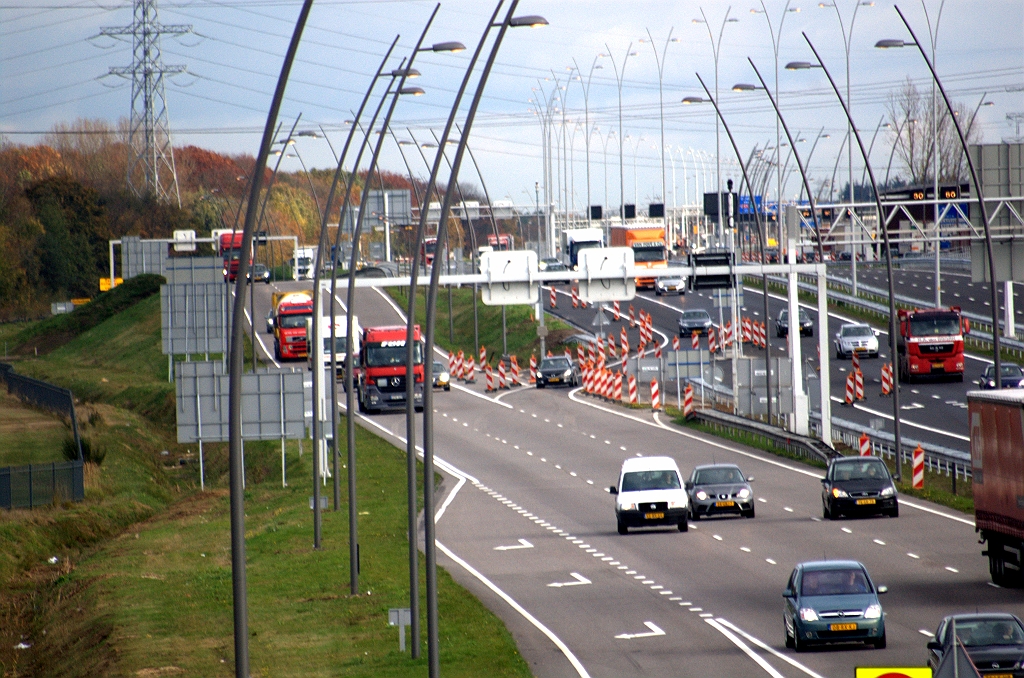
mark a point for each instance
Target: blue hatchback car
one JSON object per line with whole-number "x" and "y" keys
{"x": 832, "y": 601}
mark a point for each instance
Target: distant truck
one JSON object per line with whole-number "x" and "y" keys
{"x": 229, "y": 247}
{"x": 291, "y": 311}
{"x": 340, "y": 342}
{"x": 997, "y": 465}
{"x": 576, "y": 239}
{"x": 303, "y": 261}
{"x": 648, "y": 245}
{"x": 931, "y": 342}
{"x": 382, "y": 376}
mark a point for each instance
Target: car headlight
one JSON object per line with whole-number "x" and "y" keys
{"x": 807, "y": 614}
{"x": 991, "y": 384}
{"x": 567, "y": 373}
{"x": 837, "y": 493}
{"x": 444, "y": 376}
{"x": 628, "y": 507}
{"x": 702, "y": 495}
{"x": 889, "y": 491}
{"x": 873, "y": 612}
{"x": 743, "y": 494}
{"x": 1020, "y": 384}
{"x": 382, "y": 382}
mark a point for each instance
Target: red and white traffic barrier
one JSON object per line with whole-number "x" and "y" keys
{"x": 712, "y": 344}
{"x": 533, "y": 369}
{"x": 642, "y": 351}
{"x": 849, "y": 389}
{"x": 655, "y": 395}
{"x": 747, "y": 330}
{"x": 634, "y": 396}
{"x": 600, "y": 346}
{"x": 688, "y": 401}
{"x": 617, "y": 387}
{"x": 615, "y": 311}
{"x": 727, "y": 340}
{"x": 490, "y": 379}
{"x": 695, "y": 340}
{"x": 865, "y": 445}
{"x": 575, "y": 298}
{"x": 451, "y": 364}
{"x": 632, "y": 316}
{"x": 502, "y": 383}
{"x": 483, "y": 356}
{"x": 918, "y": 468}
{"x": 887, "y": 379}
{"x": 859, "y": 383}
{"x": 657, "y": 351}
{"x": 554, "y": 298}
{"x": 579, "y": 354}
{"x": 612, "y": 352}
{"x": 470, "y": 371}
{"x": 675, "y": 343}
{"x": 515, "y": 372}
{"x": 855, "y": 361}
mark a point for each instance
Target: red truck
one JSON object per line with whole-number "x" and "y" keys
{"x": 931, "y": 342}
{"x": 382, "y": 374}
{"x": 291, "y": 311}
{"x": 997, "y": 464}
{"x": 230, "y": 248}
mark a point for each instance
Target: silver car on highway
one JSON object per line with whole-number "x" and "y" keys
{"x": 856, "y": 338}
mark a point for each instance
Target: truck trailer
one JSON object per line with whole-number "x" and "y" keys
{"x": 997, "y": 468}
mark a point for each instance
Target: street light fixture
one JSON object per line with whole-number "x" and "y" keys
{"x": 619, "y": 75}
{"x": 659, "y": 59}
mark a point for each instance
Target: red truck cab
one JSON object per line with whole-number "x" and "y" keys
{"x": 230, "y": 248}
{"x": 382, "y": 376}
{"x": 291, "y": 312}
{"x": 931, "y": 342}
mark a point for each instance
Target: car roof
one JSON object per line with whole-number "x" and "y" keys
{"x": 701, "y": 467}
{"x": 978, "y": 616}
{"x": 695, "y": 311}
{"x": 845, "y": 325}
{"x": 854, "y": 460}
{"x": 649, "y": 464}
{"x": 818, "y": 565}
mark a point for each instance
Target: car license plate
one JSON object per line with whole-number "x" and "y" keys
{"x": 554, "y": 380}
{"x": 725, "y": 503}
{"x": 842, "y": 627}
{"x": 998, "y": 675}
{"x": 654, "y": 516}
{"x": 865, "y": 502}
{"x": 938, "y": 365}
{"x": 860, "y": 349}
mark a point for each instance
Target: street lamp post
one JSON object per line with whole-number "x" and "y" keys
{"x": 716, "y": 47}
{"x": 659, "y": 59}
{"x": 619, "y": 75}
{"x": 586, "y": 117}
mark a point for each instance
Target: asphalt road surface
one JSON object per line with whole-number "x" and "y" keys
{"x": 526, "y": 523}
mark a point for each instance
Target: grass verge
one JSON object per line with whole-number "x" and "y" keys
{"x": 29, "y": 435}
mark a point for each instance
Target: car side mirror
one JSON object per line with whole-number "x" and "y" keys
{"x": 824, "y": 481}
{"x": 788, "y": 593}
{"x": 613, "y": 490}
{"x": 878, "y": 333}
{"x": 750, "y": 479}
{"x": 935, "y": 645}
{"x": 882, "y": 590}
{"x": 688, "y": 485}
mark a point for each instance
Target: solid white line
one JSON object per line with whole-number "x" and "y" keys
{"x": 763, "y": 646}
{"x": 769, "y": 669}
{"x": 906, "y": 422}
{"x": 519, "y": 608}
{"x": 260, "y": 339}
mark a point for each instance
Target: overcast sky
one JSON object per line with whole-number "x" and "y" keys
{"x": 54, "y": 65}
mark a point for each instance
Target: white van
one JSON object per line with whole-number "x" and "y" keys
{"x": 650, "y": 492}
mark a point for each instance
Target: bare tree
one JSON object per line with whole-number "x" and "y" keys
{"x": 910, "y": 114}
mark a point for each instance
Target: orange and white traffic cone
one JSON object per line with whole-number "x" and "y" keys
{"x": 865, "y": 445}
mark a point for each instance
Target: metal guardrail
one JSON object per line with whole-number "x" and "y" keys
{"x": 803, "y": 446}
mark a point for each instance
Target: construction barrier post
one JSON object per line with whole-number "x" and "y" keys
{"x": 918, "y": 468}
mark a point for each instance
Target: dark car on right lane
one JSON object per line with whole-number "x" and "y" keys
{"x": 558, "y": 371}
{"x": 857, "y": 486}
{"x": 694, "y": 320}
{"x": 994, "y": 641}
{"x": 1013, "y": 376}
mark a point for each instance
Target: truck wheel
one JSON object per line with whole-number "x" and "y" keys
{"x": 277, "y": 352}
{"x": 880, "y": 643}
{"x": 622, "y": 528}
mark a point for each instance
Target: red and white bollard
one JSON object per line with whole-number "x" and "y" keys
{"x": 859, "y": 383}
{"x": 747, "y": 333}
{"x": 712, "y": 344}
{"x": 634, "y": 396}
{"x": 695, "y": 340}
{"x": 617, "y": 387}
{"x": 533, "y": 369}
{"x": 657, "y": 351}
{"x": 600, "y": 346}
{"x": 855, "y": 361}
{"x": 612, "y": 352}
{"x": 554, "y": 298}
{"x": 675, "y": 343}
{"x": 490, "y": 379}
{"x": 502, "y": 383}
{"x": 727, "y": 341}
{"x": 470, "y": 371}
{"x": 642, "y": 351}
{"x": 632, "y": 316}
{"x": 849, "y": 389}
{"x": 483, "y": 356}
{"x": 918, "y": 468}
{"x": 887, "y": 379}
{"x": 575, "y": 298}
{"x": 515, "y": 372}
{"x": 688, "y": 401}
{"x": 579, "y": 354}
{"x": 451, "y": 364}
{"x": 655, "y": 395}
{"x": 615, "y": 311}
{"x": 865, "y": 445}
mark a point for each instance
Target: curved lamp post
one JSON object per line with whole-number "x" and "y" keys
{"x": 884, "y": 226}
{"x": 996, "y": 343}
{"x": 586, "y": 117}
{"x": 659, "y": 59}
{"x": 619, "y": 75}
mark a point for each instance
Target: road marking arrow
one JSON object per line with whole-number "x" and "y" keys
{"x": 580, "y": 581}
{"x": 912, "y": 406}
{"x": 523, "y": 544}
{"x": 655, "y": 631}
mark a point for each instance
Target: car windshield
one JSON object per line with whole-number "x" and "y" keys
{"x": 647, "y": 253}
{"x": 981, "y": 632}
{"x": 554, "y": 364}
{"x": 635, "y": 481}
{"x": 834, "y": 582}
{"x": 857, "y": 331}
{"x": 378, "y": 355}
{"x": 287, "y": 322}
{"x": 340, "y": 345}
{"x": 438, "y": 368}
{"x": 938, "y": 324}
{"x": 860, "y": 470}
{"x": 718, "y": 476}
{"x": 696, "y": 315}
{"x": 1005, "y": 370}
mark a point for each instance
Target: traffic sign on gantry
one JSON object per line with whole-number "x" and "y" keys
{"x": 607, "y": 274}
{"x": 510, "y": 278}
